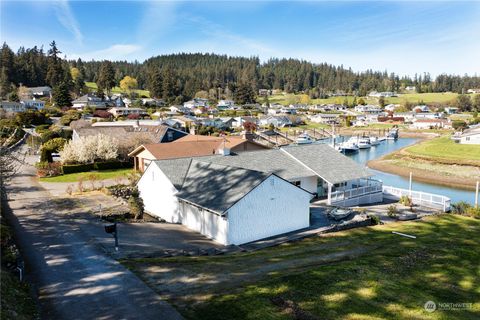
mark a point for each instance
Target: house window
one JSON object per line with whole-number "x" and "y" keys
{"x": 467, "y": 138}
{"x": 170, "y": 136}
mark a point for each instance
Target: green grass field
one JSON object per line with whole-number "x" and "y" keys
{"x": 364, "y": 273}
{"x": 101, "y": 175}
{"x": 410, "y": 97}
{"x": 444, "y": 149}
{"x": 93, "y": 86}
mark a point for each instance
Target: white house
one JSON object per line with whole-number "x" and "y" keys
{"x": 410, "y": 88}
{"x": 368, "y": 109}
{"x": 243, "y": 197}
{"x": 327, "y": 118}
{"x": 118, "y": 112}
{"x": 431, "y": 124}
{"x": 469, "y": 136}
{"x": 473, "y": 90}
{"x": 277, "y": 121}
{"x": 230, "y": 205}
{"x": 88, "y": 100}
{"x": 196, "y": 103}
{"x": 421, "y": 108}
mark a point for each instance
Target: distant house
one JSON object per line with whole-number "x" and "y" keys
{"x": 238, "y": 122}
{"x": 427, "y": 115}
{"x": 326, "y": 118}
{"x": 235, "y": 199}
{"x": 153, "y": 102}
{"x": 180, "y": 109}
{"x": 196, "y": 103}
{"x": 386, "y": 94}
{"x": 191, "y": 146}
{"x": 410, "y": 88}
{"x": 225, "y": 104}
{"x": 89, "y": 100}
{"x": 473, "y": 90}
{"x": 124, "y": 111}
{"x": 368, "y": 109}
{"x": 277, "y": 121}
{"x": 155, "y": 133}
{"x": 469, "y": 136}
{"x": 391, "y": 107}
{"x": 451, "y": 110}
{"x": 9, "y": 106}
{"x": 33, "y": 104}
{"x": 431, "y": 124}
{"x": 421, "y": 108}
{"x": 39, "y": 92}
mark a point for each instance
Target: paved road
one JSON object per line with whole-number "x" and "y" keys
{"x": 74, "y": 279}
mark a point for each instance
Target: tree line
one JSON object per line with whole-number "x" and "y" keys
{"x": 180, "y": 77}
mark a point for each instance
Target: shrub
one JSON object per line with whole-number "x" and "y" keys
{"x": 392, "y": 211}
{"x": 375, "y": 220}
{"x": 108, "y": 165}
{"x": 460, "y": 207}
{"x": 42, "y": 128}
{"x": 73, "y": 168}
{"x": 93, "y": 178}
{"x": 80, "y": 185}
{"x": 136, "y": 207}
{"x": 474, "y": 212}
{"x": 48, "y": 169}
{"x": 406, "y": 201}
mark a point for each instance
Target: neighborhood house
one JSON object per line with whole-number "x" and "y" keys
{"x": 244, "y": 197}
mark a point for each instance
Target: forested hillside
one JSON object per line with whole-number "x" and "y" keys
{"x": 178, "y": 77}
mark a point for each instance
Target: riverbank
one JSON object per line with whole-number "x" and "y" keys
{"x": 438, "y": 161}
{"x": 403, "y": 133}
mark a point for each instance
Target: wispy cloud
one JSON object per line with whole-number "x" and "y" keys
{"x": 114, "y": 52}
{"x": 157, "y": 20}
{"x": 66, "y": 17}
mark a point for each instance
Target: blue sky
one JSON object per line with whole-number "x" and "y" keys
{"x": 400, "y": 36}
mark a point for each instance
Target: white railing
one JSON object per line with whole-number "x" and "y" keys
{"x": 430, "y": 200}
{"x": 355, "y": 192}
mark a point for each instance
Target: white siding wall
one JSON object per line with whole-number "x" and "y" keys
{"x": 473, "y": 139}
{"x": 207, "y": 223}
{"x": 309, "y": 184}
{"x": 274, "y": 207}
{"x": 158, "y": 195}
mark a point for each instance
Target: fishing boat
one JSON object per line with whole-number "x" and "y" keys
{"x": 364, "y": 143}
{"x": 304, "y": 139}
{"x": 348, "y": 147}
{"x": 374, "y": 141}
{"x": 392, "y": 134}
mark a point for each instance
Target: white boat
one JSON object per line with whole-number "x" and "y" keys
{"x": 364, "y": 143}
{"x": 348, "y": 147}
{"x": 304, "y": 139}
{"x": 374, "y": 141}
{"x": 392, "y": 134}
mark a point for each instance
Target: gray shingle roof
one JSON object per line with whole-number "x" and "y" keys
{"x": 175, "y": 170}
{"x": 216, "y": 187}
{"x": 274, "y": 161}
{"x": 327, "y": 162}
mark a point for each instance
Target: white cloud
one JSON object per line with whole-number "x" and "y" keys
{"x": 157, "y": 20}
{"x": 114, "y": 52}
{"x": 65, "y": 16}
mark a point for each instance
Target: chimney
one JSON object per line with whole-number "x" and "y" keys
{"x": 247, "y": 135}
{"x": 224, "y": 151}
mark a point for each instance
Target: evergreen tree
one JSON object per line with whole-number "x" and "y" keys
{"x": 244, "y": 94}
{"x": 5, "y": 85}
{"x": 55, "y": 73}
{"x": 169, "y": 85}
{"x": 61, "y": 95}
{"x": 154, "y": 83}
{"x": 106, "y": 76}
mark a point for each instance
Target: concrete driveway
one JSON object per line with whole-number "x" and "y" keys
{"x": 73, "y": 278}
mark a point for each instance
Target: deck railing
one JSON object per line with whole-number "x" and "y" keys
{"x": 340, "y": 195}
{"x": 429, "y": 200}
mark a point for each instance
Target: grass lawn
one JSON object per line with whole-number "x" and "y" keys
{"x": 93, "y": 86}
{"x": 444, "y": 149}
{"x": 365, "y": 273}
{"x": 410, "y": 97}
{"x": 101, "y": 175}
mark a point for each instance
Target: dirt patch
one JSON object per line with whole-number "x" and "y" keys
{"x": 187, "y": 283}
{"x": 292, "y": 309}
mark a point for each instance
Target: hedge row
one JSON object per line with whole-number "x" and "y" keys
{"x": 73, "y": 168}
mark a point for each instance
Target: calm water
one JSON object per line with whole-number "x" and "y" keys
{"x": 400, "y": 182}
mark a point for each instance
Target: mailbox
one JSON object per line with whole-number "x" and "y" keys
{"x": 111, "y": 228}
